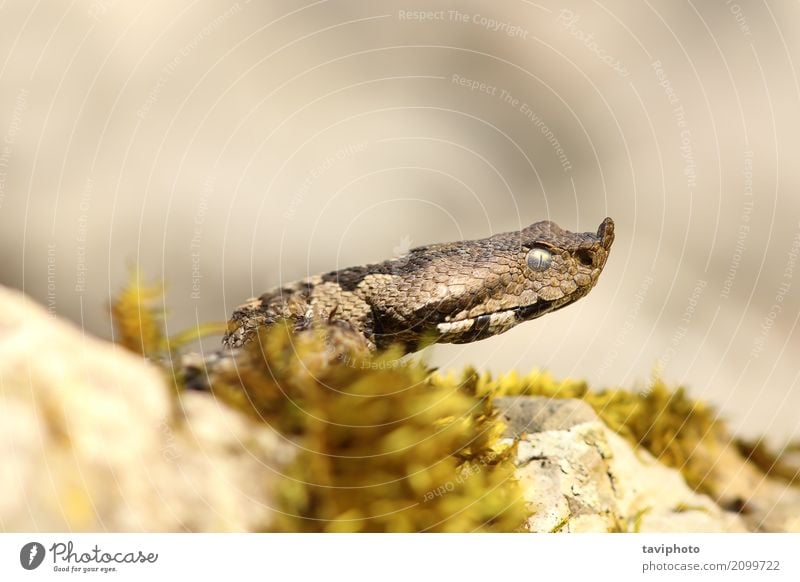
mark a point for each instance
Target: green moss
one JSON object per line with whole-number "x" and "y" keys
{"x": 138, "y": 316}
{"x": 382, "y": 448}
{"x": 137, "y": 320}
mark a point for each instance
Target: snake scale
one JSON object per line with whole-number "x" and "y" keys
{"x": 455, "y": 292}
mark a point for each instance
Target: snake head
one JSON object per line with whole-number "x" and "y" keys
{"x": 472, "y": 290}
{"x": 559, "y": 263}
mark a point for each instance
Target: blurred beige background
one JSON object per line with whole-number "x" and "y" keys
{"x": 226, "y": 146}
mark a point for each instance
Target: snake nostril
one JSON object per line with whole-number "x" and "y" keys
{"x": 585, "y": 257}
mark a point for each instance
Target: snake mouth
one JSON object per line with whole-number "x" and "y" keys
{"x": 483, "y": 326}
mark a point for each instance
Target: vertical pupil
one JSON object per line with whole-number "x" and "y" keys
{"x": 539, "y": 259}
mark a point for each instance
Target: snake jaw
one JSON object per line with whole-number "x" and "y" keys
{"x": 484, "y": 326}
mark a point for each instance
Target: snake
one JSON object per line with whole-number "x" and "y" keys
{"x": 457, "y": 292}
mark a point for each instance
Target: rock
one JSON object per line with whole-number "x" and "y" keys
{"x": 92, "y": 441}
{"x": 766, "y": 504}
{"x": 579, "y": 476}
{"x": 530, "y": 415}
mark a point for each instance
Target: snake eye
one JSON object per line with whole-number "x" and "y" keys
{"x": 539, "y": 259}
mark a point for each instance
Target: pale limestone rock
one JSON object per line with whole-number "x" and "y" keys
{"x": 579, "y": 476}
{"x": 91, "y": 440}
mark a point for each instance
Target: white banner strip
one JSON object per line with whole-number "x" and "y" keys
{"x": 352, "y": 558}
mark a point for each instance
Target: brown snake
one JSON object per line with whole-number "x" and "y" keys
{"x": 455, "y": 292}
